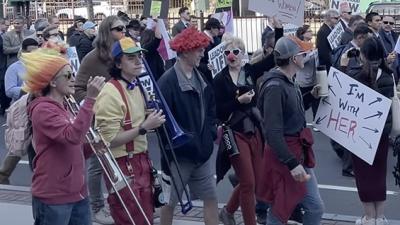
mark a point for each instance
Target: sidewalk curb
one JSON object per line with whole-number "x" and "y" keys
{"x": 199, "y": 204}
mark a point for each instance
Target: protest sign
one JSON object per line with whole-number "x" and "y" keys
{"x": 226, "y": 18}
{"x": 288, "y": 11}
{"x": 353, "y": 4}
{"x": 147, "y": 85}
{"x": 224, "y": 3}
{"x": 353, "y": 115}
{"x": 289, "y": 29}
{"x": 73, "y": 59}
{"x": 155, "y": 8}
{"x": 164, "y": 48}
{"x": 217, "y": 59}
{"x": 335, "y": 36}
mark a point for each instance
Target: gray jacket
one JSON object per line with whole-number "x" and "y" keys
{"x": 12, "y": 43}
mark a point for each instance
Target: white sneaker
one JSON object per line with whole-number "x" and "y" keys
{"x": 365, "y": 221}
{"x": 103, "y": 216}
{"x": 382, "y": 221}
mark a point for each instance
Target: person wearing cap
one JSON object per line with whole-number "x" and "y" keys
{"x": 236, "y": 105}
{"x": 288, "y": 178}
{"x": 134, "y": 30}
{"x": 85, "y": 40}
{"x": 192, "y": 104}
{"x": 98, "y": 62}
{"x": 212, "y": 31}
{"x": 123, "y": 123}
{"x": 59, "y": 190}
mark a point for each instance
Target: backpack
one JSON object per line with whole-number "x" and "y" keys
{"x": 18, "y": 134}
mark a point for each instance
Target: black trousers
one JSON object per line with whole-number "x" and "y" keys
{"x": 4, "y": 100}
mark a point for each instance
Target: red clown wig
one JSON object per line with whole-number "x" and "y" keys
{"x": 188, "y": 40}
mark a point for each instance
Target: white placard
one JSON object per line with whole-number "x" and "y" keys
{"x": 226, "y": 18}
{"x": 147, "y": 85}
{"x": 335, "y": 36}
{"x": 217, "y": 59}
{"x": 353, "y": 115}
{"x": 73, "y": 59}
{"x": 353, "y": 4}
{"x": 288, "y": 11}
{"x": 289, "y": 29}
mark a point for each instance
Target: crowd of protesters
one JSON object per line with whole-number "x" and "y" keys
{"x": 262, "y": 103}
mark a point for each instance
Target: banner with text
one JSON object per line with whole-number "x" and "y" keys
{"x": 335, "y": 36}
{"x": 289, "y": 29}
{"x": 288, "y": 11}
{"x": 353, "y": 115}
{"x": 217, "y": 59}
{"x": 73, "y": 59}
{"x": 354, "y": 5}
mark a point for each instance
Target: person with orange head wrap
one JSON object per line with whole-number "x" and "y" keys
{"x": 192, "y": 104}
{"x": 59, "y": 190}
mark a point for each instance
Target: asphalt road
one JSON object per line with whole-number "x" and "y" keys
{"x": 338, "y": 192}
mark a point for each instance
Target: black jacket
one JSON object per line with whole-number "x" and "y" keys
{"x": 153, "y": 58}
{"x": 281, "y": 106}
{"x": 347, "y": 36}
{"x": 384, "y": 85}
{"x": 187, "y": 109}
{"x": 83, "y": 44}
{"x": 385, "y": 38}
{"x": 243, "y": 117}
{"x": 3, "y": 58}
{"x": 323, "y": 46}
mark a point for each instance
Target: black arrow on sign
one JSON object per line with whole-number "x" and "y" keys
{"x": 337, "y": 78}
{"x": 368, "y": 144}
{"x": 319, "y": 120}
{"x": 330, "y": 88}
{"x": 374, "y": 130}
{"x": 378, "y": 114}
{"x": 377, "y": 100}
{"x": 325, "y": 101}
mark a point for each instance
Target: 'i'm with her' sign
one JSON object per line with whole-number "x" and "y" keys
{"x": 353, "y": 115}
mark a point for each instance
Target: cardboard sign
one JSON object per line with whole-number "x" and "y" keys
{"x": 73, "y": 59}
{"x": 289, "y": 29}
{"x": 217, "y": 59}
{"x": 147, "y": 85}
{"x": 224, "y": 3}
{"x": 353, "y": 4}
{"x": 288, "y": 11}
{"x": 353, "y": 115}
{"x": 335, "y": 36}
{"x": 155, "y": 8}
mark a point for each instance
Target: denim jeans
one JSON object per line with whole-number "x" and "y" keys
{"x": 77, "y": 213}
{"x": 95, "y": 176}
{"x": 312, "y": 204}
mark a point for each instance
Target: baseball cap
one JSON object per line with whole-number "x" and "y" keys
{"x": 125, "y": 46}
{"x": 286, "y": 48}
{"x": 88, "y": 25}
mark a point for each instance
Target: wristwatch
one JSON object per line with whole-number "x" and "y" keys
{"x": 142, "y": 130}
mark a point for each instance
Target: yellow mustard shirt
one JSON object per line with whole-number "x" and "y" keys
{"x": 110, "y": 113}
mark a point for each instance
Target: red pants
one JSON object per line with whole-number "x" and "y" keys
{"x": 248, "y": 167}
{"x": 141, "y": 184}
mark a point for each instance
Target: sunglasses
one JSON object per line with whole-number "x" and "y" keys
{"x": 234, "y": 51}
{"x": 119, "y": 28}
{"x": 387, "y": 22}
{"x": 54, "y": 35}
{"x": 348, "y": 13}
{"x": 69, "y": 75}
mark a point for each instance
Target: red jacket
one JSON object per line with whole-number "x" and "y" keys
{"x": 58, "y": 176}
{"x": 278, "y": 187}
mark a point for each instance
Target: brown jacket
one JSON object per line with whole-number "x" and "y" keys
{"x": 91, "y": 66}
